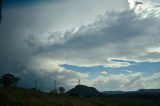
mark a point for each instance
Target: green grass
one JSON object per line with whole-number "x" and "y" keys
{"x": 26, "y": 97}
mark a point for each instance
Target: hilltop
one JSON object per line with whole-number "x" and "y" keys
{"x": 83, "y": 90}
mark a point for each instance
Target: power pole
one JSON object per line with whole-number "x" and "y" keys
{"x": 55, "y": 85}
{"x": 79, "y": 82}
{"x": 36, "y": 84}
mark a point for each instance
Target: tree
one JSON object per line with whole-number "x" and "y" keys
{"x": 9, "y": 80}
{"x": 54, "y": 91}
{"x": 61, "y": 89}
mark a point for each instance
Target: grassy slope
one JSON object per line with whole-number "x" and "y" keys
{"x": 25, "y": 97}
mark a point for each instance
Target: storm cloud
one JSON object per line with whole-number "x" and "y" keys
{"x": 34, "y": 48}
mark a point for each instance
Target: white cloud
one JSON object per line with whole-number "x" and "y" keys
{"x": 104, "y": 72}
{"x": 119, "y": 82}
{"x": 126, "y": 82}
{"x": 129, "y": 71}
{"x": 154, "y": 50}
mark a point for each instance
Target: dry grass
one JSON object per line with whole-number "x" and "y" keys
{"x": 24, "y": 97}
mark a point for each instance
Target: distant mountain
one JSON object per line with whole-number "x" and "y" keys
{"x": 149, "y": 91}
{"x": 83, "y": 90}
{"x": 112, "y": 92}
{"x": 139, "y": 92}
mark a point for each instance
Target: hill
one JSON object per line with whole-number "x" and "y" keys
{"x": 149, "y": 91}
{"x": 142, "y": 92}
{"x": 83, "y": 90}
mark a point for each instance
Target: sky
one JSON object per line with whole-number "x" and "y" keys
{"x": 107, "y": 44}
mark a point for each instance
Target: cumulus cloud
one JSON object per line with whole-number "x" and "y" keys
{"x": 104, "y": 72}
{"x": 127, "y": 82}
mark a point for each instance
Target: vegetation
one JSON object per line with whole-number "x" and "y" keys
{"x": 26, "y": 97}
{"x": 9, "y": 80}
{"x": 54, "y": 91}
{"x": 61, "y": 90}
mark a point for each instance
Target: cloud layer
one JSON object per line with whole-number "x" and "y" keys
{"x": 35, "y": 53}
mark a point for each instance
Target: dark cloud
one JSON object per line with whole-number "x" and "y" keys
{"x": 117, "y": 35}
{"x": 20, "y": 3}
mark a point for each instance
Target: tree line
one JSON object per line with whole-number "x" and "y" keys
{"x": 10, "y": 80}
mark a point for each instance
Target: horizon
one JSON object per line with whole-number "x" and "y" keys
{"x": 108, "y": 45}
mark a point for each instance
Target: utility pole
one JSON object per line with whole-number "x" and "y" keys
{"x": 79, "y": 82}
{"x": 55, "y": 85}
{"x": 36, "y": 84}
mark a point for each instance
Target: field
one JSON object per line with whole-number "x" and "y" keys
{"x": 26, "y": 97}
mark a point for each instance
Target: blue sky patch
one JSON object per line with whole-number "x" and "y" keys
{"x": 145, "y": 67}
